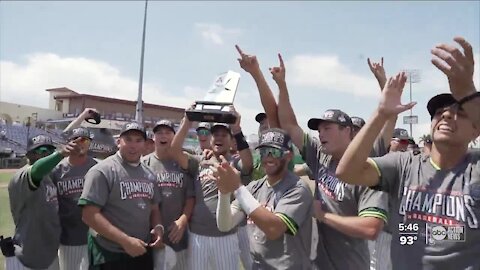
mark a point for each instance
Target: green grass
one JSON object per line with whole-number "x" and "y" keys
{"x": 6, "y": 222}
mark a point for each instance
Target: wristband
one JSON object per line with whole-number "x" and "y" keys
{"x": 246, "y": 200}
{"x": 468, "y": 98}
{"x": 242, "y": 144}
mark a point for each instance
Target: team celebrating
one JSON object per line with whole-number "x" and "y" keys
{"x": 359, "y": 198}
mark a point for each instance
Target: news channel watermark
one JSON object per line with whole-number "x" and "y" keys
{"x": 450, "y": 233}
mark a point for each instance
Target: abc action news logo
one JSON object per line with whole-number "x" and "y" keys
{"x": 446, "y": 233}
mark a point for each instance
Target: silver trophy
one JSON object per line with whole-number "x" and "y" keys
{"x": 215, "y": 106}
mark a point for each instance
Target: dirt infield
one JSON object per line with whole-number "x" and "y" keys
{"x": 8, "y": 170}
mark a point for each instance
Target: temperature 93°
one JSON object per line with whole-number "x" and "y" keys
{"x": 408, "y": 239}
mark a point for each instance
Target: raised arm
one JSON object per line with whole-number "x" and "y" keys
{"x": 249, "y": 63}
{"x": 243, "y": 148}
{"x": 353, "y": 167}
{"x": 88, "y": 112}
{"x": 378, "y": 71}
{"x": 286, "y": 116}
{"x": 459, "y": 67}
{"x": 176, "y": 149}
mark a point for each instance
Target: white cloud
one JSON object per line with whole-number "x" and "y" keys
{"x": 26, "y": 83}
{"x": 326, "y": 73}
{"x": 216, "y": 33}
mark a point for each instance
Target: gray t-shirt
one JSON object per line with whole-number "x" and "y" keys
{"x": 340, "y": 250}
{"x": 69, "y": 182}
{"x": 125, "y": 194}
{"x": 291, "y": 200}
{"x": 423, "y": 194}
{"x": 35, "y": 214}
{"x": 176, "y": 186}
{"x": 203, "y": 220}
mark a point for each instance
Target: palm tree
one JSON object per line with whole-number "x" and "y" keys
{"x": 425, "y": 138}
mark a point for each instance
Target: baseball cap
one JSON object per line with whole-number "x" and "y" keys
{"x": 217, "y": 126}
{"x": 164, "y": 123}
{"x": 334, "y": 116}
{"x": 438, "y": 102}
{"x": 204, "y": 125}
{"x": 260, "y": 116}
{"x": 400, "y": 133}
{"x": 276, "y": 138}
{"x": 39, "y": 140}
{"x": 79, "y": 132}
{"x": 358, "y": 121}
{"x": 133, "y": 126}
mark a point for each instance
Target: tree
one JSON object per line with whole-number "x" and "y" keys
{"x": 425, "y": 138}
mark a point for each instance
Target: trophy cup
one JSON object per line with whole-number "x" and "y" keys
{"x": 214, "y": 107}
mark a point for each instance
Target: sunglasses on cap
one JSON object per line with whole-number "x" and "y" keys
{"x": 44, "y": 150}
{"x": 270, "y": 151}
{"x": 203, "y": 132}
{"x": 82, "y": 139}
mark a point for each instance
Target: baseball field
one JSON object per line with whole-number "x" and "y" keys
{"x": 6, "y": 223}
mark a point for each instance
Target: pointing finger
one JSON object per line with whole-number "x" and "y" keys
{"x": 282, "y": 65}
{"x": 239, "y": 50}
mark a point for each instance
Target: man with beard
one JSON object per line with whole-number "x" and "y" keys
{"x": 278, "y": 207}
{"x": 34, "y": 207}
{"x": 69, "y": 176}
{"x": 177, "y": 191}
{"x": 431, "y": 194}
{"x": 209, "y": 247}
{"x": 347, "y": 214}
{"x": 120, "y": 202}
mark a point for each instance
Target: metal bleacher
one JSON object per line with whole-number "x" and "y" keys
{"x": 15, "y": 137}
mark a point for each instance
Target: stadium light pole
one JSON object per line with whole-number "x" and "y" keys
{"x": 413, "y": 76}
{"x": 139, "y": 107}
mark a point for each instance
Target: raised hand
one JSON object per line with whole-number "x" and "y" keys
{"x": 457, "y": 66}
{"x": 228, "y": 178}
{"x": 72, "y": 148}
{"x": 235, "y": 126}
{"x": 278, "y": 73}
{"x": 248, "y": 62}
{"x": 391, "y": 100}
{"x": 378, "y": 71}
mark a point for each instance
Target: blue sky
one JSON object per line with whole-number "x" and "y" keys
{"x": 94, "y": 47}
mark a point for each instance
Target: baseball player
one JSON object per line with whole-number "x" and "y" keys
{"x": 177, "y": 191}
{"x": 68, "y": 177}
{"x": 34, "y": 207}
{"x": 149, "y": 143}
{"x": 427, "y": 145}
{"x": 120, "y": 205}
{"x": 242, "y": 234}
{"x": 436, "y": 193}
{"x": 209, "y": 247}
{"x": 434, "y": 196}
{"x": 204, "y": 137}
{"x": 399, "y": 142}
{"x": 348, "y": 215}
{"x": 278, "y": 206}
